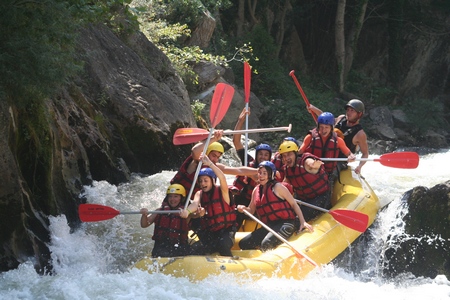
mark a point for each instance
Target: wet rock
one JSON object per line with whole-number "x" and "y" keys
{"x": 424, "y": 248}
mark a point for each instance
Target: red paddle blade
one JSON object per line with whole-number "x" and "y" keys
{"x": 183, "y": 136}
{"x": 350, "y": 218}
{"x": 247, "y": 81}
{"x": 96, "y": 212}
{"x": 405, "y": 160}
{"x": 220, "y": 103}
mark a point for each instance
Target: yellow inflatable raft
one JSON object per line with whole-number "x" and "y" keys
{"x": 328, "y": 240}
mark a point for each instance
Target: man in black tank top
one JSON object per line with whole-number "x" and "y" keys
{"x": 348, "y": 127}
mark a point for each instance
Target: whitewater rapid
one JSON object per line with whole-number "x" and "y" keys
{"x": 94, "y": 261}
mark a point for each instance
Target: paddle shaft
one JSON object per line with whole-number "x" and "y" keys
{"x": 199, "y": 166}
{"x": 346, "y": 159}
{"x": 302, "y": 93}
{"x": 280, "y": 237}
{"x": 247, "y": 82}
{"x": 312, "y": 206}
{"x": 161, "y": 212}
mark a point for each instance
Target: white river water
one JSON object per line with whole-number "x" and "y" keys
{"x": 94, "y": 261}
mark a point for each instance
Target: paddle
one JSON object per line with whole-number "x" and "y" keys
{"x": 183, "y": 136}
{"x": 97, "y": 212}
{"x": 350, "y": 218}
{"x": 221, "y": 100}
{"x": 298, "y": 253}
{"x": 403, "y": 160}
{"x": 247, "y": 82}
{"x": 302, "y": 93}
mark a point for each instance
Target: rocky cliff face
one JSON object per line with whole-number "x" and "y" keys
{"x": 118, "y": 118}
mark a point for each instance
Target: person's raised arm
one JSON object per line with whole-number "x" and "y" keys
{"x": 305, "y": 144}
{"x": 198, "y": 148}
{"x": 317, "y": 111}
{"x": 237, "y": 137}
{"x": 222, "y": 179}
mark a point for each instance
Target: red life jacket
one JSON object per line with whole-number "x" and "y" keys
{"x": 306, "y": 185}
{"x": 171, "y": 227}
{"x": 270, "y": 207}
{"x": 329, "y": 149}
{"x": 218, "y": 214}
{"x": 276, "y": 160}
{"x": 184, "y": 178}
{"x": 245, "y": 184}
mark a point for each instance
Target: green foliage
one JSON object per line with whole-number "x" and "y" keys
{"x": 370, "y": 90}
{"x": 197, "y": 108}
{"x": 38, "y": 52}
{"x": 168, "y": 37}
{"x": 425, "y": 114}
{"x": 37, "y": 49}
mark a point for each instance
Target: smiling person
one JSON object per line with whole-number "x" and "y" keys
{"x": 276, "y": 207}
{"x": 307, "y": 175}
{"x": 323, "y": 142}
{"x": 171, "y": 230}
{"x": 348, "y": 127}
{"x": 218, "y": 223}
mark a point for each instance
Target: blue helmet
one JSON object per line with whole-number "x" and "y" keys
{"x": 207, "y": 172}
{"x": 326, "y": 118}
{"x": 291, "y": 139}
{"x": 269, "y": 166}
{"x": 263, "y": 147}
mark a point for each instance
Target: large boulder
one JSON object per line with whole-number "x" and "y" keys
{"x": 424, "y": 248}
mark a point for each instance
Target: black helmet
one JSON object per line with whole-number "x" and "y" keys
{"x": 356, "y": 105}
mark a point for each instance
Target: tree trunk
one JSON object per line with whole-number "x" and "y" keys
{"x": 340, "y": 42}
{"x": 240, "y": 18}
{"x": 352, "y": 38}
{"x": 252, "y": 10}
{"x": 204, "y": 31}
{"x": 279, "y": 36}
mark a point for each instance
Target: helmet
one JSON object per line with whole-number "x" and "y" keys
{"x": 289, "y": 138}
{"x": 207, "y": 172}
{"x": 176, "y": 189}
{"x": 326, "y": 118}
{"x": 269, "y": 166}
{"x": 263, "y": 147}
{"x": 288, "y": 146}
{"x": 216, "y": 146}
{"x": 356, "y": 105}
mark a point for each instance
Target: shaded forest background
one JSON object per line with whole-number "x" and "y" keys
{"x": 339, "y": 49}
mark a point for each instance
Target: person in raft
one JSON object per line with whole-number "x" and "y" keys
{"x": 218, "y": 224}
{"x": 276, "y": 207}
{"x": 323, "y": 141}
{"x": 171, "y": 230}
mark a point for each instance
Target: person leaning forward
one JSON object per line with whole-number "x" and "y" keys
{"x": 307, "y": 175}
